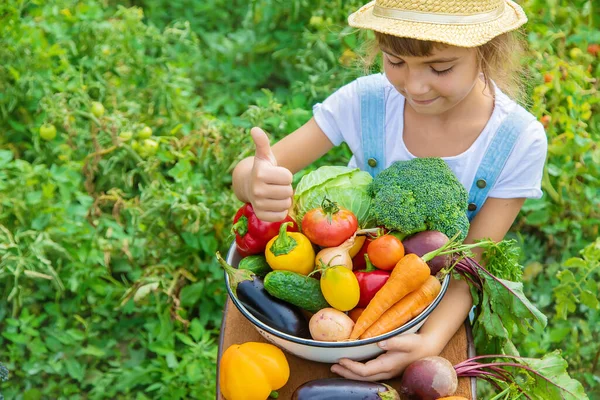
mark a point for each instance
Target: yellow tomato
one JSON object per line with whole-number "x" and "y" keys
{"x": 340, "y": 288}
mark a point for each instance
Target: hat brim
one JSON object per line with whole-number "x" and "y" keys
{"x": 462, "y": 35}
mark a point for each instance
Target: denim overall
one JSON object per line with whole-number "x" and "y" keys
{"x": 372, "y": 120}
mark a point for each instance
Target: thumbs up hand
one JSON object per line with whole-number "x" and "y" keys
{"x": 270, "y": 186}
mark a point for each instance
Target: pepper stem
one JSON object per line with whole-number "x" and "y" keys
{"x": 236, "y": 276}
{"x": 274, "y": 394}
{"x": 370, "y": 266}
{"x": 284, "y": 242}
{"x": 241, "y": 226}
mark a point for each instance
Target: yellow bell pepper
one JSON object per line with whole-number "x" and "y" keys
{"x": 251, "y": 371}
{"x": 290, "y": 251}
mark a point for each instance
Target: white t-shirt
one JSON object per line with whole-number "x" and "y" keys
{"x": 339, "y": 118}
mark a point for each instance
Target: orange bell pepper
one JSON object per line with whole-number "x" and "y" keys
{"x": 251, "y": 371}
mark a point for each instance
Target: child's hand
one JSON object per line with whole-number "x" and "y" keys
{"x": 270, "y": 190}
{"x": 401, "y": 352}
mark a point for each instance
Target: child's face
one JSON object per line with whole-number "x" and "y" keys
{"x": 436, "y": 83}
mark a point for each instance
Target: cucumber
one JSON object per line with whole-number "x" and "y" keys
{"x": 296, "y": 289}
{"x": 256, "y": 263}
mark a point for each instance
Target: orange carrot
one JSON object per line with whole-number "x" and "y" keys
{"x": 406, "y": 309}
{"x": 408, "y": 275}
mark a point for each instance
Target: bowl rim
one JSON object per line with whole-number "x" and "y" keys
{"x": 316, "y": 343}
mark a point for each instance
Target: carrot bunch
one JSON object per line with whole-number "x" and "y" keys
{"x": 408, "y": 291}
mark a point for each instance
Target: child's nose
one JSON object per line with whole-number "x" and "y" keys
{"x": 416, "y": 87}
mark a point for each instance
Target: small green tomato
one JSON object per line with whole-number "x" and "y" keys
{"x": 135, "y": 145}
{"x": 150, "y": 147}
{"x": 125, "y": 136}
{"x": 145, "y": 133}
{"x": 97, "y": 109}
{"x": 47, "y": 132}
{"x": 575, "y": 53}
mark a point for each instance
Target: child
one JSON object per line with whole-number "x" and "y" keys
{"x": 445, "y": 63}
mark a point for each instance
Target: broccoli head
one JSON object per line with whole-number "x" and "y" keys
{"x": 420, "y": 194}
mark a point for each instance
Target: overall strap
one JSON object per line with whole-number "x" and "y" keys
{"x": 495, "y": 157}
{"x": 372, "y": 122}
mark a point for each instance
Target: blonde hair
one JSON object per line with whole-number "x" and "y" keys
{"x": 499, "y": 59}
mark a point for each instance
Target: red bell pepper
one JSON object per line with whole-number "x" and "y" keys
{"x": 252, "y": 234}
{"x": 370, "y": 280}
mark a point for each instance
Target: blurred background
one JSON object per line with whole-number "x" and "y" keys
{"x": 120, "y": 123}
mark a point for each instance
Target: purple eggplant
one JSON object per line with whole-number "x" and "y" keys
{"x": 344, "y": 389}
{"x": 277, "y": 314}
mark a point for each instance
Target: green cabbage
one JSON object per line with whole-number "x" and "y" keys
{"x": 346, "y": 186}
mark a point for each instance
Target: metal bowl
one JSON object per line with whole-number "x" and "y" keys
{"x": 328, "y": 352}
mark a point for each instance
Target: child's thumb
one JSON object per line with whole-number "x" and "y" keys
{"x": 263, "y": 147}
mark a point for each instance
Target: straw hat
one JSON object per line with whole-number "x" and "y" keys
{"x": 464, "y": 23}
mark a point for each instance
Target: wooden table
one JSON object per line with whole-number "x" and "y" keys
{"x": 236, "y": 329}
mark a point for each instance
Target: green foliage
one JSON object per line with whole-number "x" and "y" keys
{"x": 109, "y": 221}
{"x": 565, "y": 98}
{"x": 420, "y": 194}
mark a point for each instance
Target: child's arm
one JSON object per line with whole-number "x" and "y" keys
{"x": 493, "y": 221}
{"x": 265, "y": 180}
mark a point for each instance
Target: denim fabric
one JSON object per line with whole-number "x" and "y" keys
{"x": 372, "y": 120}
{"x": 496, "y": 155}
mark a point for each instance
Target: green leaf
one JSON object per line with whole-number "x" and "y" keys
{"x": 75, "y": 369}
{"x": 538, "y": 218}
{"x": 553, "y": 367}
{"x": 590, "y": 299}
{"x": 575, "y": 262}
{"x": 6, "y": 156}
{"x": 181, "y": 170}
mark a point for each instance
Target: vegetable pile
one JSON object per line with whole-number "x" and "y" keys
{"x": 359, "y": 257}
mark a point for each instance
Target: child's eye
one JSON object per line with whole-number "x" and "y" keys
{"x": 442, "y": 72}
{"x": 394, "y": 64}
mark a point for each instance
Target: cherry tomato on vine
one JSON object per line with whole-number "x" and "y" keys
{"x": 329, "y": 225}
{"x": 149, "y": 147}
{"x": 385, "y": 252}
{"x": 145, "y": 133}
{"x": 125, "y": 136}
{"x": 97, "y": 109}
{"x": 47, "y": 132}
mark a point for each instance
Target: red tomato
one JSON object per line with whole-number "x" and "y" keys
{"x": 385, "y": 252}
{"x": 329, "y": 225}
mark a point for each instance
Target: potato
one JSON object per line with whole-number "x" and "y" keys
{"x": 330, "y": 325}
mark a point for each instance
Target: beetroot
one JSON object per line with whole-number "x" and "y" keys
{"x": 434, "y": 378}
{"x": 423, "y": 242}
{"x": 429, "y": 379}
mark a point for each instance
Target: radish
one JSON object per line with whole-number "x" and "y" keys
{"x": 423, "y": 242}
{"x": 432, "y": 378}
